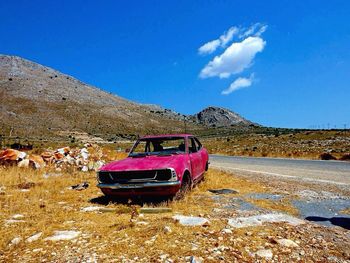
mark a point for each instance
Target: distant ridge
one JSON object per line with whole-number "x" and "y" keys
{"x": 39, "y": 101}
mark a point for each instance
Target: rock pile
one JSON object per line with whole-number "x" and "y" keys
{"x": 88, "y": 158}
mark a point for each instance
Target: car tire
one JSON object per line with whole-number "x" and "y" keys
{"x": 185, "y": 187}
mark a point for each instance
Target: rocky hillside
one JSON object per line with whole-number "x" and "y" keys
{"x": 219, "y": 117}
{"x": 42, "y": 102}
{"x": 37, "y": 100}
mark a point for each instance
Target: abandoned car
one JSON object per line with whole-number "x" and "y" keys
{"x": 162, "y": 165}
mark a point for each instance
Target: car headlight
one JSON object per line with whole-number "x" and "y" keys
{"x": 173, "y": 175}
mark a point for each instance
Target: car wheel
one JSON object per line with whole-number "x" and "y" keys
{"x": 185, "y": 187}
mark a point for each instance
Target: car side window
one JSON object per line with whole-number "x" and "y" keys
{"x": 198, "y": 144}
{"x": 192, "y": 148}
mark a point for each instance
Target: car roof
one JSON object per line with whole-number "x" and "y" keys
{"x": 166, "y": 136}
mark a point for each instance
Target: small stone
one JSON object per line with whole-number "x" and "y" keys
{"x": 287, "y": 243}
{"x": 194, "y": 259}
{"x": 34, "y": 237}
{"x": 194, "y": 248}
{"x": 227, "y": 231}
{"x": 142, "y": 223}
{"x": 167, "y": 229}
{"x": 264, "y": 253}
{"x": 15, "y": 241}
{"x": 13, "y": 221}
{"x": 90, "y": 209}
{"x": 191, "y": 220}
{"x": 17, "y": 216}
{"x": 63, "y": 235}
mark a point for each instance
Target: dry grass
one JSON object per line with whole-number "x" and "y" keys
{"x": 308, "y": 144}
{"x": 49, "y": 206}
{"x": 346, "y": 211}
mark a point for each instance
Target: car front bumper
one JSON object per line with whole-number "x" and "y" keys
{"x": 139, "y": 185}
{"x": 145, "y": 188}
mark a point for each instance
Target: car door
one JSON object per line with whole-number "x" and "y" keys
{"x": 203, "y": 156}
{"x": 195, "y": 158}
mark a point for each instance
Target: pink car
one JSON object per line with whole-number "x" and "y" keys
{"x": 162, "y": 165}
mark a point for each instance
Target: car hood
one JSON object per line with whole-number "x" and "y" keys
{"x": 144, "y": 163}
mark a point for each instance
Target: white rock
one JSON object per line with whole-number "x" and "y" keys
{"x": 226, "y": 231}
{"x": 47, "y": 175}
{"x": 17, "y": 216}
{"x": 163, "y": 257}
{"x": 61, "y": 151}
{"x": 167, "y": 229}
{"x": 287, "y": 243}
{"x": 148, "y": 242}
{"x": 13, "y": 221}
{"x": 258, "y": 220}
{"x": 23, "y": 164}
{"x": 84, "y": 153}
{"x": 194, "y": 259}
{"x": 90, "y": 209}
{"x": 34, "y": 237}
{"x": 63, "y": 235}
{"x": 191, "y": 220}
{"x": 264, "y": 253}
{"x": 15, "y": 241}
{"x": 142, "y": 223}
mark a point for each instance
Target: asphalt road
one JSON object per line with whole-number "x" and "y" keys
{"x": 335, "y": 172}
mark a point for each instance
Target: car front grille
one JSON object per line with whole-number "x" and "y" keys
{"x": 125, "y": 177}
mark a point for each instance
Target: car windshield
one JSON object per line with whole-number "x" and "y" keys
{"x": 158, "y": 146}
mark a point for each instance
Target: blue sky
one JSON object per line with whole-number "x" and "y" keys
{"x": 294, "y": 74}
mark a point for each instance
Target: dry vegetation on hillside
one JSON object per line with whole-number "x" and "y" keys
{"x": 307, "y": 144}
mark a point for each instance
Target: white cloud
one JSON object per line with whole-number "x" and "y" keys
{"x": 235, "y": 58}
{"x": 222, "y": 41}
{"x": 209, "y": 47}
{"x": 254, "y": 30}
{"x": 228, "y": 36}
{"x": 261, "y": 30}
{"x": 239, "y": 84}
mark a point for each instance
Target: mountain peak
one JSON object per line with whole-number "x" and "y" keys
{"x": 220, "y": 117}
